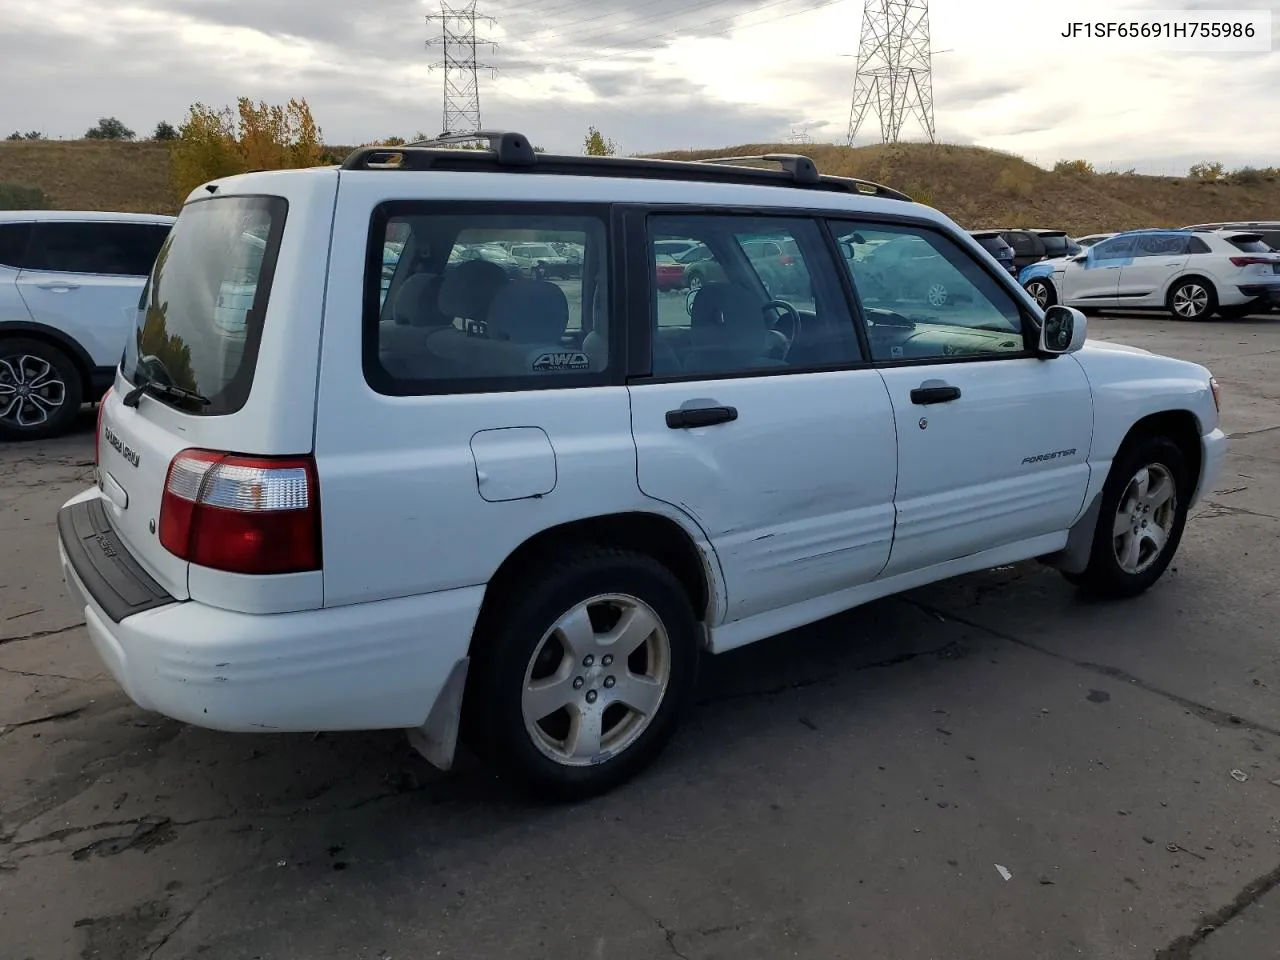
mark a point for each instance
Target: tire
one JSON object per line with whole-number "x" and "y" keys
{"x": 1106, "y": 576}
{"x": 1042, "y": 292}
{"x": 1192, "y": 298}
{"x": 53, "y": 390}
{"x": 522, "y": 644}
{"x": 696, "y": 280}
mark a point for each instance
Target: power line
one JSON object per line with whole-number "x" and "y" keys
{"x": 594, "y": 32}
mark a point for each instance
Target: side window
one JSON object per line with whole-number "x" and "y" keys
{"x": 102, "y": 247}
{"x": 756, "y": 294}
{"x": 1161, "y": 245}
{"x": 1117, "y": 248}
{"x": 13, "y": 244}
{"x": 924, "y": 297}
{"x": 472, "y": 301}
{"x": 1196, "y": 245}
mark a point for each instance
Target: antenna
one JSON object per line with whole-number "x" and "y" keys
{"x": 461, "y": 68}
{"x": 895, "y": 68}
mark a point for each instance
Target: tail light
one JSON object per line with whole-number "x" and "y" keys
{"x": 255, "y": 515}
{"x": 1251, "y": 261}
{"x": 1216, "y": 389}
{"x": 787, "y": 259}
{"x": 97, "y": 435}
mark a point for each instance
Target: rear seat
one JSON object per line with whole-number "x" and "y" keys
{"x": 526, "y": 320}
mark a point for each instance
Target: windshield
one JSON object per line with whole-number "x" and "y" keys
{"x": 201, "y": 312}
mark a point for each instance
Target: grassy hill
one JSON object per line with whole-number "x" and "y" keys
{"x": 975, "y": 186}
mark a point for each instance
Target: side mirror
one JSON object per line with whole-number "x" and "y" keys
{"x": 1063, "y": 331}
{"x": 846, "y": 249}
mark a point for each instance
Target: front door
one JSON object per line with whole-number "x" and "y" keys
{"x": 762, "y": 420}
{"x": 993, "y": 442}
{"x": 1095, "y": 282}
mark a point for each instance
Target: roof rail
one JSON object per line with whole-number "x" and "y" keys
{"x": 512, "y": 153}
{"x": 510, "y": 149}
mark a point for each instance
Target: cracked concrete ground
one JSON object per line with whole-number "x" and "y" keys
{"x": 859, "y": 788}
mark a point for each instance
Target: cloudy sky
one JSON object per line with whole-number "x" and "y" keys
{"x": 652, "y": 75}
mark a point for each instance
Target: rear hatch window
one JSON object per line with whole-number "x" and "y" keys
{"x": 201, "y": 312}
{"x": 1056, "y": 244}
{"x": 1249, "y": 243}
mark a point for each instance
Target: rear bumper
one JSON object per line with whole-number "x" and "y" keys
{"x": 1268, "y": 292}
{"x": 360, "y": 667}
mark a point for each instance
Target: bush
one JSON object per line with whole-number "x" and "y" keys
{"x": 1073, "y": 166}
{"x": 1206, "y": 172}
{"x": 14, "y": 196}
{"x": 920, "y": 194}
{"x": 1252, "y": 175}
{"x": 1015, "y": 180}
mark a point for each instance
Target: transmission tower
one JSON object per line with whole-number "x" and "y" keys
{"x": 459, "y": 41}
{"x": 895, "y": 68}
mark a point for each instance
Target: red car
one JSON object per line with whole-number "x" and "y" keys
{"x": 670, "y": 275}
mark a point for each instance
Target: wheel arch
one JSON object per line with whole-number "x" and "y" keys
{"x": 653, "y": 534}
{"x": 31, "y": 330}
{"x": 1181, "y": 426}
{"x": 1209, "y": 283}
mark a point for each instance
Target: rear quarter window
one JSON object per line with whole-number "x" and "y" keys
{"x": 452, "y": 321}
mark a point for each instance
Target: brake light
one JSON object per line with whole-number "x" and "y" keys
{"x": 1251, "y": 261}
{"x": 97, "y": 436}
{"x": 255, "y": 515}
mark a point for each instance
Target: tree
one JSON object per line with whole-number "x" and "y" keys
{"x": 255, "y": 136}
{"x": 1209, "y": 172}
{"x": 164, "y": 131}
{"x": 109, "y": 128}
{"x": 29, "y": 135}
{"x": 595, "y": 145}
{"x": 14, "y": 136}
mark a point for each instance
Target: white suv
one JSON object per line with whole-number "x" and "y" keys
{"x": 525, "y": 508}
{"x": 69, "y": 285}
{"x": 1191, "y": 273}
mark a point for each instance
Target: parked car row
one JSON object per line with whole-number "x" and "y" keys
{"x": 1192, "y": 273}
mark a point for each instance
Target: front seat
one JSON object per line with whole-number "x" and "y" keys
{"x": 729, "y": 331}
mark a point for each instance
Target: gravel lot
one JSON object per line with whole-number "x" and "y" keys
{"x": 857, "y": 788}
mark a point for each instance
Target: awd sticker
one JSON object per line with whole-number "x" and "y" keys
{"x": 565, "y": 360}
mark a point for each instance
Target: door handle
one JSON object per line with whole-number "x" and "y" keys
{"x": 57, "y": 287}
{"x": 942, "y": 393}
{"x": 686, "y": 417}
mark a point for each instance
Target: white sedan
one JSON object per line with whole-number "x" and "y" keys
{"x": 1190, "y": 273}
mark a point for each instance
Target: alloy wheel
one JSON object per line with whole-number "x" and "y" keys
{"x": 31, "y": 391}
{"x": 596, "y": 680}
{"x": 1144, "y": 519}
{"x": 1190, "y": 301}
{"x": 1039, "y": 293}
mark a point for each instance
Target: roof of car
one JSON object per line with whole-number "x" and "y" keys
{"x": 11, "y": 216}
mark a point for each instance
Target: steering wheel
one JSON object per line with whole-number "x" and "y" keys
{"x": 784, "y": 306}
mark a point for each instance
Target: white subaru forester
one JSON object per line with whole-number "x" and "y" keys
{"x": 350, "y": 480}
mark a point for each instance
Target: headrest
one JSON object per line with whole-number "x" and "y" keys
{"x": 469, "y": 288}
{"x": 723, "y": 312}
{"x": 529, "y": 311}
{"x": 415, "y": 302}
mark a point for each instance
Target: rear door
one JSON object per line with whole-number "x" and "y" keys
{"x": 84, "y": 277}
{"x": 14, "y": 238}
{"x": 1157, "y": 259}
{"x": 774, "y": 435}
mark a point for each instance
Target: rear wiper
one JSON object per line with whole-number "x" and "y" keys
{"x": 158, "y": 389}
